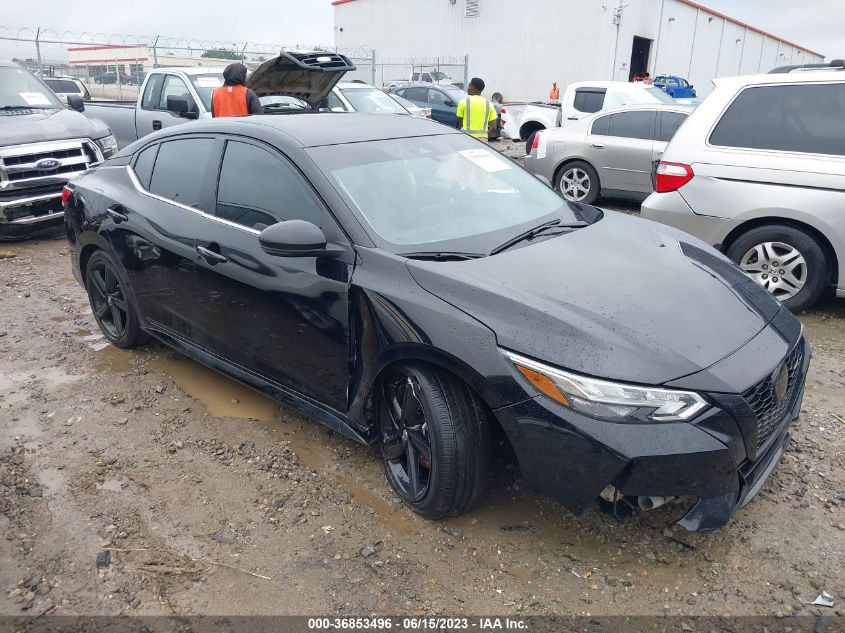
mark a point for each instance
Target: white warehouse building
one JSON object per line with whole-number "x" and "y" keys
{"x": 519, "y": 47}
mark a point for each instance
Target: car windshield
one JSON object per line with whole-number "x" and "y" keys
{"x": 371, "y": 100}
{"x": 205, "y": 85}
{"x": 282, "y": 102}
{"x": 19, "y": 89}
{"x": 456, "y": 94}
{"x": 438, "y": 193}
{"x": 661, "y": 96}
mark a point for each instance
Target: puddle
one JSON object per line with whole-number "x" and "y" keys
{"x": 113, "y": 358}
{"x": 113, "y": 485}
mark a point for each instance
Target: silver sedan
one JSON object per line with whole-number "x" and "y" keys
{"x": 611, "y": 151}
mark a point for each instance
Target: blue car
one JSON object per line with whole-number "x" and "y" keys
{"x": 674, "y": 86}
{"x": 443, "y": 101}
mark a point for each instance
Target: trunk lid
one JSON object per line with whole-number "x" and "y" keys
{"x": 306, "y": 76}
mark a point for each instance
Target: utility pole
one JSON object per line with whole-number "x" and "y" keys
{"x": 618, "y": 10}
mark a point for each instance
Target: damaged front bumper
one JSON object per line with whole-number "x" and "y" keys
{"x": 27, "y": 216}
{"x": 717, "y": 461}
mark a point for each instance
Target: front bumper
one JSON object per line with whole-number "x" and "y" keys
{"x": 572, "y": 458}
{"x": 30, "y": 215}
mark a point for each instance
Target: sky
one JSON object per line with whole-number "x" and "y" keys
{"x": 814, "y": 24}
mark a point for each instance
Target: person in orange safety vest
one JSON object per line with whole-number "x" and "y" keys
{"x": 233, "y": 98}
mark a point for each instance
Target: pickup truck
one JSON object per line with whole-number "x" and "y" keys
{"x": 579, "y": 100}
{"x": 425, "y": 77}
{"x": 171, "y": 96}
{"x": 674, "y": 86}
{"x": 42, "y": 145}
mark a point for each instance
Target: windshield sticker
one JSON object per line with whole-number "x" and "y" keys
{"x": 34, "y": 98}
{"x": 209, "y": 82}
{"x": 487, "y": 160}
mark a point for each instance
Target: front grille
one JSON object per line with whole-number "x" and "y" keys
{"x": 19, "y": 164}
{"x": 761, "y": 397}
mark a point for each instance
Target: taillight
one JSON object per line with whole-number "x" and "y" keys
{"x": 536, "y": 142}
{"x": 672, "y": 176}
{"x": 65, "y": 195}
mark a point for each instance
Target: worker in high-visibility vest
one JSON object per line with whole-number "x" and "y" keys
{"x": 476, "y": 115}
{"x": 233, "y": 98}
{"x": 554, "y": 93}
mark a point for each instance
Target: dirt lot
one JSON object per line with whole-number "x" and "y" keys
{"x": 141, "y": 483}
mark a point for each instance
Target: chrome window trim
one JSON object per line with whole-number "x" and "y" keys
{"x": 137, "y": 184}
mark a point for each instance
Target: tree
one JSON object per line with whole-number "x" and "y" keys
{"x": 221, "y": 53}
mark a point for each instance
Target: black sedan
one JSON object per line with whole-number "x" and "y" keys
{"x": 404, "y": 284}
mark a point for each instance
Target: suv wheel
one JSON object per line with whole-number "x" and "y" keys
{"x": 434, "y": 440}
{"x": 578, "y": 182}
{"x": 786, "y": 261}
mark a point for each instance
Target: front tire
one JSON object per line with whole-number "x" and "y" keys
{"x": 434, "y": 438}
{"x": 786, "y": 261}
{"x": 578, "y": 182}
{"x": 111, "y": 302}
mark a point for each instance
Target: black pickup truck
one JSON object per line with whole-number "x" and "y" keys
{"x": 42, "y": 145}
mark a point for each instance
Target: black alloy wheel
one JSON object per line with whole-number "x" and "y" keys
{"x": 434, "y": 438}
{"x": 110, "y": 302}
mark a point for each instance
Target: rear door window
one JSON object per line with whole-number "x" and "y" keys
{"x": 799, "y": 118}
{"x": 600, "y": 125}
{"x": 669, "y": 124}
{"x": 143, "y": 166}
{"x": 180, "y": 169}
{"x": 589, "y": 99}
{"x": 258, "y": 188}
{"x": 416, "y": 94}
{"x": 632, "y": 125}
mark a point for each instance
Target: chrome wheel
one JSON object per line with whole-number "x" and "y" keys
{"x": 778, "y": 267}
{"x": 575, "y": 184}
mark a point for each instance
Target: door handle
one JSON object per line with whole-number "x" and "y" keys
{"x": 572, "y": 118}
{"x": 212, "y": 257}
{"x": 117, "y": 216}
{"x": 156, "y": 124}
{"x": 597, "y": 145}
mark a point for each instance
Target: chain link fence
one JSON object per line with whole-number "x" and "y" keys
{"x": 114, "y": 66}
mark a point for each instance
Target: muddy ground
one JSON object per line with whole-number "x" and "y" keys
{"x": 142, "y": 483}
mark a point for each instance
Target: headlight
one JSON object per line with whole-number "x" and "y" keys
{"x": 108, "y": 144}
{"x": 607, "y": 400}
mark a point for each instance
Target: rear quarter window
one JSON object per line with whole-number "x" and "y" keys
{"x": 804, "y": 118}
{"x": 179, "y": 170}
{"x": 143, "y": 166}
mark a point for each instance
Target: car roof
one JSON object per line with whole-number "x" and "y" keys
{"x": 609, "y": 84}
{"x": 188, "y": 70}
{"x": 351, "y": 85}
{"x": 425, "y": 84}
{"x": 312, "y": 129}
{"x": 782, "y": 78}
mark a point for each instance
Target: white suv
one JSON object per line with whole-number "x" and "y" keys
{"x": 758, "y": 170}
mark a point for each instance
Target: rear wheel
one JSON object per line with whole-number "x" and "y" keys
{"x": 786, "y": 261}
{"x": 435, "y": 440}
{"x": 110, "y": 302}
{"x": 578, "y": 182}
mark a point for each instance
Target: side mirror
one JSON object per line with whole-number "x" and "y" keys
{"x": 74, "y": 102}
{"x": 449, "y": 104}
{"x": 293, "y": 238}
{"x": 179, "y": 106}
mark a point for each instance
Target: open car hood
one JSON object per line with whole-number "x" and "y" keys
{"x": 307, "y": 76}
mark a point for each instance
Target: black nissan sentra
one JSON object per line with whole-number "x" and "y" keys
{"x": 404, "y": 284}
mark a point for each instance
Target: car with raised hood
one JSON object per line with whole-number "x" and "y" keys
{"x": 172, "y": 96}
{"x": 406, "y": 285}
{"x": 42, "y": 145}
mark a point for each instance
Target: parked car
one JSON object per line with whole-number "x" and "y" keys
{"x": 403, "y": 284}
{"x": 676, "y": 87}
{"x": 42, "y": 145}
{"x": 758, "y": 170}
{"x": 361, "y": 97}
{"x": 579, "y": 100}
{"x": 428, "y": 77}
{"x": 63, "y": 86}
{"x": 171, "y": 96}
{"x": 111, "y": 77}
{"x": 411, "y": 107}
{"x": 612, "y": 151}
{"x": 443, "y": 101}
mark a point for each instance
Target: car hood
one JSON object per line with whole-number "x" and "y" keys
{"x": 307, "y": 76}
{"x": 624, "y": 298}
{"x": 48, "y": 125}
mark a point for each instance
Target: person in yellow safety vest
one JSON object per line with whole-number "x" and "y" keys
{"x": 476, "y": 115}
